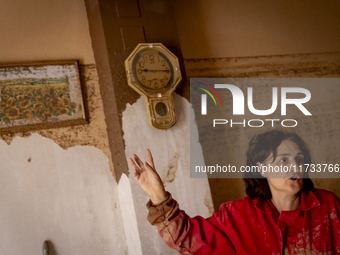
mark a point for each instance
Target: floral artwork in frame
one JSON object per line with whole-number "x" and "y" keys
{"x": 40, "y": 95}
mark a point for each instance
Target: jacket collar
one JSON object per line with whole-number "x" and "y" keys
{"x": 308, "y": 200}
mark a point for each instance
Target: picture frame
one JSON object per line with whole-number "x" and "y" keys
{"x": 40, "y": 95}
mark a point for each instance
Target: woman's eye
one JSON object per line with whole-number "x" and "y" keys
{"x": 283, "y": 160}
{"x": 299, "y": 160}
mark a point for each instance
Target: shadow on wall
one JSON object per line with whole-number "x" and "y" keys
{"x": 48, "y": 248}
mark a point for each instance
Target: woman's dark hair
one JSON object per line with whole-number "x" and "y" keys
{"x": 260, "y": 147}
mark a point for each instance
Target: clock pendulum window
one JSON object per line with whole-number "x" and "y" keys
{"x": 153, "y": 71}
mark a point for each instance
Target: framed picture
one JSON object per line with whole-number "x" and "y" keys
{"x": 40, "y": 95}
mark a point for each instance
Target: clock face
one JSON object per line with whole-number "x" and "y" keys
{"x": 152, "y": 69}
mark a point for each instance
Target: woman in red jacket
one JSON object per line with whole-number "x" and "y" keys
{"x": 283, "y": 213}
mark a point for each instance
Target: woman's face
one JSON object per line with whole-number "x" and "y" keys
{"x": 284, "y": 173}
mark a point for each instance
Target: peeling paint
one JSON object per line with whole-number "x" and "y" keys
{"x": 171, "y": 152}
{"x": 68, "y": 196}
{"x": 92, "y": 134}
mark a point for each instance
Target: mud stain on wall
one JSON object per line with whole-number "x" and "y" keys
{"x": 276, "y": 66}
{"x": 92, "y": 134}
{"x": 168, "y": 173}
{"x": 208, "y": 202}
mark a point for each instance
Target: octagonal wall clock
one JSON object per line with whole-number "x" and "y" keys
{"x": 153, "y": 71}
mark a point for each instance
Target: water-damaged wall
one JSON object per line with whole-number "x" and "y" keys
{"x": 171, "y": 152}
{"x": 68, "y": 197}
{"x": 57, "y": 184}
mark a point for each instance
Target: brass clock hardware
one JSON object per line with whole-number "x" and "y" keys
{"x": 153, "y": 71}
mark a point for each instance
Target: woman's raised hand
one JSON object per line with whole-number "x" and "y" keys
{"x": 148, "y": 178}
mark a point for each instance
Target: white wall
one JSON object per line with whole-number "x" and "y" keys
{"x": 68, "y": 197}
{"x": 171, "y": 153}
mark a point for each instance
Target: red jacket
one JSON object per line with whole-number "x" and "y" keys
{"x": 253, "y": 227}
